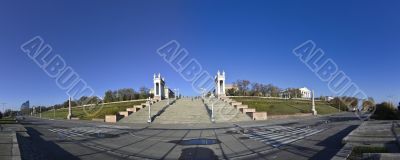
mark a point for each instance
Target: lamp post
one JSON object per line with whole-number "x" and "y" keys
{"x": 212, "y": 109}
{"x": 313, "y": 104}
{"x": 203, "y": 92}
{"x": 178, "y": 93}
{"x": 175, "y": 93}
{"x": 148, "y": 102}
{"x": 69, "y": 109}
{"x": 54, "y": 112}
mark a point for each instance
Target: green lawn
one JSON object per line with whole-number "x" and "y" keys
{"x": 96, "y": 112}
{"x": 7, "y": 120}
{"x": 285, "y": 107}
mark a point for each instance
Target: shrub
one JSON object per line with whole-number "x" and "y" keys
{"x": 385, "y": 111}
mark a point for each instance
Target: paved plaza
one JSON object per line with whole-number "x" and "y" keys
{"x": 303, "y": 138}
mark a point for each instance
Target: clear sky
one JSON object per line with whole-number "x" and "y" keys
{"x": 112, "y": 44}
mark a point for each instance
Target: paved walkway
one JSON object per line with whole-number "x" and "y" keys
{"x": 184, "y": 111}
{"x": 9, "y": 148}
{"x": 62, "y": 139}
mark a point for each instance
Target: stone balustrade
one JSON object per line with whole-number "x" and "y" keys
{"x": 238, "y": 107}
{"x": 247, "y": 110}
{"x": 235, "y": 103}
{"x": 258, "y": 115}
{"x": 113, "y": 118}
{"x": 131, "y": 109}
{"x": 125, "y": 113}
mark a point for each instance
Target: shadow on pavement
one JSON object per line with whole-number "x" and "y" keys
{"x": 198, "y": 141}
{"x": 197, "y": 153}
{"x": 35, "y": 147}
{"x": 333, "y": 144}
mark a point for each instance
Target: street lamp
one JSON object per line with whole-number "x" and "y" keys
{"x": 313, "y": 104}
{"x": 69, "y": 109}
{"x": 212, "y": 109}
{"x": 54, "y": 112}
{"x": 148, "y": 102}
{"x": 203, "y": 92}
{"x": 175, "y": 93}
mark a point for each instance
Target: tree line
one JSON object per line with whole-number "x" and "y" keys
{"x": 247, "y": 88}
{"x": 124, "y": 94}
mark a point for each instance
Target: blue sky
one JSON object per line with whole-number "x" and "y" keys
{"x": 112, "y": 44}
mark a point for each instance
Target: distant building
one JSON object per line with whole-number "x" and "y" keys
{"x": 293, "y": 93}
{"x": 305, "y": 92}
{"x": 329, "y": 98}
{"x": 25, "y": 107}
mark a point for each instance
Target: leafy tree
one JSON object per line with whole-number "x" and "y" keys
{"x": 1, "y": 115}
{"x": 108, "y": 97}
{"x": 8, "y": 113}
{"x": 144, "y": 93}
{"x": 368, "y": 104}
{"x": 229, "y": 92}
{"x": 385, "y": 111}
{"x": 338, "y": 103}
{"x": 272, "y": 90}
{"x": 294, "y": 92}
{"x": 243, "y": 87}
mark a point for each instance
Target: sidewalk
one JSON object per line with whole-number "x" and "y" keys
{"x": 9, "y": 148}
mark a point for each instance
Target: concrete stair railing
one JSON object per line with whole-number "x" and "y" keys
{"x": 142, "y": 115}
{"x": 224, "y": 112}
{"x": 122, "y": 114}
{"x": 252, "y": 113}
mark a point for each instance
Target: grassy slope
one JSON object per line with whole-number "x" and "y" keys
{"x": 107, "y": 109}
{"x": 285, "y": 107}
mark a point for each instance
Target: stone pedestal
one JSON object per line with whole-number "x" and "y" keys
{"x": 258, "y": 115}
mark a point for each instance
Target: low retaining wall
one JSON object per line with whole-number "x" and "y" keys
{"x": 289, "y": 116}
{"x": 258, "y": 115}
{"x": 98, "y": 119}
{"x": 113, "y": 118}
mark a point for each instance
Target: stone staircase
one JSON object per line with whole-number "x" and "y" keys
{"x": 225, "y": 112}
{"x": 141, "y": 115}
{"x": 184, "y": 111}
{"x": 251, "y": 112}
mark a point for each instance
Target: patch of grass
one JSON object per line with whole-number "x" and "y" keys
{"x": 7, "y": 120}
{"x": 285, "y": 107}
{"x": 89, "y": 113}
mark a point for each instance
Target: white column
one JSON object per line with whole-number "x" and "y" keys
{"x": 159, "y": 88}
{"x": 155, "y": 89}
{"x": 223, "y": 87}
